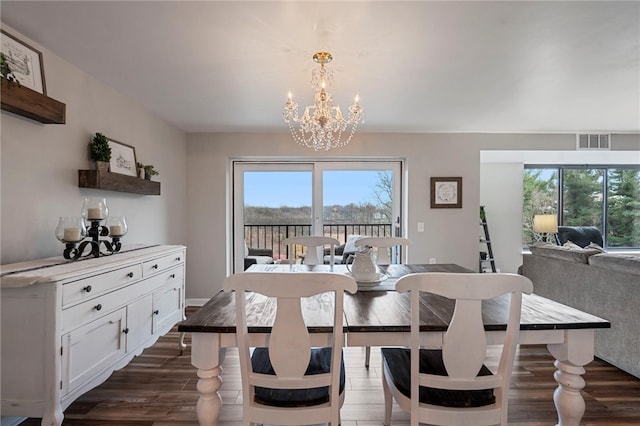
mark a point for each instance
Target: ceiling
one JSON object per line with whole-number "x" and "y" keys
{"x": 212, "y": 66}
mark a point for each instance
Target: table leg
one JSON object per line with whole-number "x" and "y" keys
{"x": 571, "y": 356}
{"x": 207, "y": 357}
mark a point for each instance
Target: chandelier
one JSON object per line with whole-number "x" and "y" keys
{"x": 322, "y": 125}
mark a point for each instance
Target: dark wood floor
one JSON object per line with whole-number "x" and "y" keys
{"x": 158, "y": 388}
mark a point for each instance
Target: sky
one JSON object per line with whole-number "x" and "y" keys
{"x": 277, "y": 189}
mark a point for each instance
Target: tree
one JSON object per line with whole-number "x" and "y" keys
{"x": 383, "y": 196}
{"x": 582, "y": 197}
{"x": 623, "y": 208}
{"x": 540, "y": 195}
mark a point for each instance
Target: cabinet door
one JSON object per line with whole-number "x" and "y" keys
{"x": 139, "y": 322}
{"x": 167, "y": 307}
{"x": 92, "y": 348}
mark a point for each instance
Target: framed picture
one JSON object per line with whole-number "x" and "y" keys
{"x": 123, "y": 158}
{"x": 25, "y": 63}
{"x": 446, "y": 192}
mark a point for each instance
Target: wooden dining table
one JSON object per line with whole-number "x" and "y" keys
{"x": 376, "y": 315}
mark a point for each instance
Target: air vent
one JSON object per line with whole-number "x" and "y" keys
{"x": 593, "y": 141}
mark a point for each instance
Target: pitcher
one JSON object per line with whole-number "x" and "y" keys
{"x": 362, "y": 268}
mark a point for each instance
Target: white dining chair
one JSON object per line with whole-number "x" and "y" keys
{"x": 314, "y": 246}
{"x": 291, "y": 382}
{"x": 452, "y": 385}
{"x": 387, "y": 252}
{"x": 388, "y": 248}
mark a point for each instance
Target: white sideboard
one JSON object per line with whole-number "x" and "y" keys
{"x": 66, "y": 326}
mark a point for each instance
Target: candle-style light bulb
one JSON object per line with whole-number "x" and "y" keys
{"x": 357, "y": 99}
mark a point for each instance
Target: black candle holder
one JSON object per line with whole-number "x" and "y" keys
{"x": 93, "y": 242}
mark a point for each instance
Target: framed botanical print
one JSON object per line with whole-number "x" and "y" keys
{"x": 123, "y": 158}
{"x": 24, "y": 61}
{"x": 446, "y": 192}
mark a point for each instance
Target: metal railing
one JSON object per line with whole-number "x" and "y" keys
{"x": 272, "y": 236}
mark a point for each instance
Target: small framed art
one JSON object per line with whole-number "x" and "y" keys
{"x": 123, "y": 158}
{"x": 446, "y": 192}
{"x": 25, "y": 63}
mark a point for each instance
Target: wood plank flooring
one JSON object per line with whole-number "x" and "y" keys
{"x": 158, "y": 388}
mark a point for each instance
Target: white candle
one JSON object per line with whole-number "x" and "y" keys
{"x": 71, "y": 234}
{"x": 94, "y": 213}
{"x": 116, "y": 230}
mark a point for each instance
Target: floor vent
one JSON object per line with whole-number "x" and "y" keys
{"x": 593, "y": 141}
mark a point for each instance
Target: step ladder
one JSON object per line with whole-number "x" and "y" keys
{"x": 486, "y": 251}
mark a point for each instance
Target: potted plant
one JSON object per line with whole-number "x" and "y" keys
{"x": 150, "y": 171}
{"x": 100, "y": 152}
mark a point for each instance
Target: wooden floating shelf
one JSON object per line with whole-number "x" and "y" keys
{"x": 117, "y": 182}
{"x": 31, "y": 104}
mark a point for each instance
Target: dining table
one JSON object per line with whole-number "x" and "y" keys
{"x": 377, "y": 315}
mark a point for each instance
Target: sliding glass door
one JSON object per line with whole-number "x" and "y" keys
{"x": 274, "y": 201}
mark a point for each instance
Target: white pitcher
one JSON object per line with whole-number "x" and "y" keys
{"x": 362, "y": 268}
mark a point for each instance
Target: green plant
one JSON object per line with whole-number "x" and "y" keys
{"x": 149, "y": 170}
{"x": 6, "y": 71}
{"x": 99, "y": 148}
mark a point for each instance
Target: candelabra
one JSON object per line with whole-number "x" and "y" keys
{"x": 79, "y": 239}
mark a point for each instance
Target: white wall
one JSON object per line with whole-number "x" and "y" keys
{"x": 40, "y": 162}
{"x": 501, "y": 194}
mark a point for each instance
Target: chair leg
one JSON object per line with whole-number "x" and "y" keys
{"x": 367, "y": 356}
{"x": 388, "y": 398}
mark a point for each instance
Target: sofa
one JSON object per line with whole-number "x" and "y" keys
{"x": 603, "y": 284}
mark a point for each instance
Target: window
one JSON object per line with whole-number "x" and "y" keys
{"x": 276, "y": 200}
{"x": 607, "y": 197}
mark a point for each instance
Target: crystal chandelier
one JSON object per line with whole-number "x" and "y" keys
{"x": 322, "y": 125}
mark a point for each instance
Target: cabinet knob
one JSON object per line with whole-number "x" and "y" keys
{"x": 125, "y": 331}
{"x": 130, "y": 274}
{"x": 87, "y": 289}
{"x": 172, "y": 276}
{"x": 156, "y": 312}
{"x": 98, "y": 307}
{"x": 178, "y": 259}
{"x": 155, "y": 266}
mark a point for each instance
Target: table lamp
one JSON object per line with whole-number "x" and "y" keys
{"x": 546, "y": 224}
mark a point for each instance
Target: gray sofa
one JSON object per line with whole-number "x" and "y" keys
{"x": 604, "y": 284}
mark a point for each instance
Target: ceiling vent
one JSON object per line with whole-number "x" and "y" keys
{"x": 593, "y": 141}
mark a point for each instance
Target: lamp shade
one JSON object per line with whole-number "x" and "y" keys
{"x": 545, "y": 223}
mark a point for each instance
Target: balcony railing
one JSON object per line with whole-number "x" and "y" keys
{"x": 272, "y": 236}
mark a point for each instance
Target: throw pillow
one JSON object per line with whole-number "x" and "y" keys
{"x": 594, "y": 246}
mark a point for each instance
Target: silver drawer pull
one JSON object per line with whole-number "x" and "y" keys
{"x": 98, "y": 307}
{"x": 87, "y": 289}
{"x": 130, "y": 274}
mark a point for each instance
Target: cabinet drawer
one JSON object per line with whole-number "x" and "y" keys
{"x": 89, "y": 288}
{"x": 152, "y": 267}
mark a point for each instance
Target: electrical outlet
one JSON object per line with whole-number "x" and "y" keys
{"x": 432, "y": 260}
{"x": 420, "y": 226}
